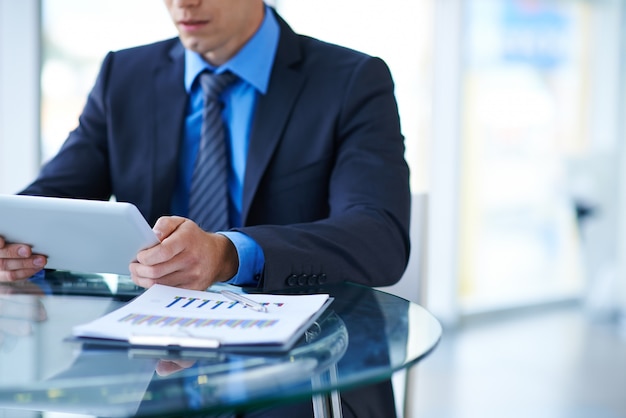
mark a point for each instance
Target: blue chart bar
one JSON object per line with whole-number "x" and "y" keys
{"x": 182, "y": 302}
{"x": 170, "y": 321}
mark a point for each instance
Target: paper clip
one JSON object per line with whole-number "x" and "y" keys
{"x": 182, "y": 338}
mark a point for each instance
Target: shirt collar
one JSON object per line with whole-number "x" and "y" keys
{"x": 253, "y": 62}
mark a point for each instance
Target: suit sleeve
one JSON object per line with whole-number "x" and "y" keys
{"x": 364, "y": 237}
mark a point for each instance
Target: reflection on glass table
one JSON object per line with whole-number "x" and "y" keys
{"x": 362, "y": 338}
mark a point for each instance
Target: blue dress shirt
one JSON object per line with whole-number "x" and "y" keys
{"x": 253, "y": 65}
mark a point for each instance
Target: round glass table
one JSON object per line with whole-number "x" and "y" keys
{"x": 362, "y": 338}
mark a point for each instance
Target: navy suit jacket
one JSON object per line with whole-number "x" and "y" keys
{"x": 326, "y": 189}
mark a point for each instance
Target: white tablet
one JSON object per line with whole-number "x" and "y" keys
{"x": 78, "y": 235}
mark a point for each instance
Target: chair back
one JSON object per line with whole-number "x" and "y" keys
{"x": 412, "y": 287}
{"x": 412, "y": 284}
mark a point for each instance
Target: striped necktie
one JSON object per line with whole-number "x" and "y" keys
{"x": 208, "y": 197}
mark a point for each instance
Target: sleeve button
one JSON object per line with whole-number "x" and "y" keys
{"x": 292, "y": 280}
{"x": 302, "y": 279}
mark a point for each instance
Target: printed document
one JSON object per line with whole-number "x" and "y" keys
{"x": 170, "y": 316}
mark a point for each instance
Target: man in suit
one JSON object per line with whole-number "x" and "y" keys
{"x": 317, "y": 182}
{"x": 324, "y": 191}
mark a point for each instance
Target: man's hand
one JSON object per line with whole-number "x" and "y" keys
{"x": 186, "y": 257}
{"x": 17, "y": 262}
{"x": 168, "y": 367}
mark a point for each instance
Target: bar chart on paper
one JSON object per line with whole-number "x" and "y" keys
{"x": 136, "y": 319}
{"x": 167, "y": 311}
{"x": 214, "y": 304}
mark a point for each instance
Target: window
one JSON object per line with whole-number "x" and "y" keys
{"x": 76, "y": 37}
{"x": 526, "y": 120}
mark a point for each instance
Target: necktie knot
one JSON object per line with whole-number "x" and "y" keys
{"x": 214, "y": 84}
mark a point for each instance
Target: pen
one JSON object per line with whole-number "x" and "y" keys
{"x": 242, "y": 299}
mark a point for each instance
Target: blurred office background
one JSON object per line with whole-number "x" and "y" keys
{"x": 514, "y": 123}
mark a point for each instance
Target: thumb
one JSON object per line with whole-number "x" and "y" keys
{"x": 166, "y": 225}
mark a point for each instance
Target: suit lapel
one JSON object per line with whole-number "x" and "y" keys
{"x": 170, "y": 104}
{"x": 272, "y": 112}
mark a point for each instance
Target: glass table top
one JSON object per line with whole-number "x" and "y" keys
{"x": 364, "y": 337}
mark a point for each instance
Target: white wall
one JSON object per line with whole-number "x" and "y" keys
{"x": 19, "y": 93}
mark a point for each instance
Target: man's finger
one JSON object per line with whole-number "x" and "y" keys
{"x": 166, "y": 225}
{"x": 36, "y": 262}
{"x": 161, "y": 253}
{"x": 14, "y": 250}
{"x": 19, "y": 274}
{"x": 142, "y": 281}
